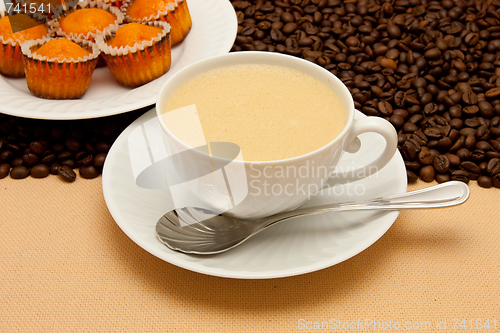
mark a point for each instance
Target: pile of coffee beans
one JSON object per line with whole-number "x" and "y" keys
{"x": 38, "y": 148}
{"x": 431, "y": 68}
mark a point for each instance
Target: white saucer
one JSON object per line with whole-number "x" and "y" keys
{"x": 295, "y": 247}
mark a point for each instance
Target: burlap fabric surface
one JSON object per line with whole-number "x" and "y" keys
{"x": 67, "y": 267}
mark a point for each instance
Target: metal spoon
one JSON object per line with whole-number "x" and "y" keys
{"x": 181, "y": 230}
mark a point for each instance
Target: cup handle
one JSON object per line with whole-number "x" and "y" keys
{"x": 364, "y": 125}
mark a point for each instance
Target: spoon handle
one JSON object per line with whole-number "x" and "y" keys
{"x": 443, "y": 195}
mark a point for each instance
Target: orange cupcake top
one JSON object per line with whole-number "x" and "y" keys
{"x": 133, "y": 33}
{"x": 22, "y": 21}
{"x": 62, "y": 49}
{"x": 143, "y": 9}
{"x": 85, "y": 20}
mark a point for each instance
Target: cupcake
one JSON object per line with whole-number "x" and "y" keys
{"x": 174, "y": 12}
{"x": 11, "y": 57}
{"x": 137, "y": 53}
{"x": 59, "y": 68}
{"x": 87, "y": 19}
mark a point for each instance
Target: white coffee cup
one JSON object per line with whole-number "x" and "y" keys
{"x": 251, "y": 190}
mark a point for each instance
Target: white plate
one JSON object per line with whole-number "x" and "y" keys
{"x": 213, "y": 33}
{"x": 295, "y": 247}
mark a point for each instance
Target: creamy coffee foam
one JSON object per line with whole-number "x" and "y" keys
{"x": 271, "y": 112}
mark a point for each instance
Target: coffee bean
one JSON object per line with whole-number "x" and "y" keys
{"x": 478, "y": 155}
{"x": 102, "y": 147}
{"x": 30, "y": 159}
{"x": 471, "y": 39}
{"x": 496, "y": 180}
{"x": 411, "y": 148}
{"x": 277, "y": 36}
{"x": 430, "y": 109}
{"x": 397, "y": 121}
{"x": 54, "y": 168}
{"x": 470, "y": 97}
{"x": 410, "y": 127}
{"x": 19, "y": 172}
{"x": 49, "y": 159}
{"x": 420, "y": 137}
{"x": 493, "y": 93}
{"x": 260, "y": 46}
{"x": 72, "y": 144}
{"x": 433, "y": 54}
{"x": 445, "y": 144}
{"x": 472, "y": 168}
{"x": 492, "y": 154}
{"x": 66, "y": 173}
{"x": 6, "y": 156}
{"x": 463, "y": 154}
{"x": 289, "y": 28}
{"x": 460, "y": 175}
{"x": 483, "y": 145}
{"x": 4, "y": 170}
{"x": 88, "y": 172}
{"x": 483, "y": 166}
{"x": 470, "y": 141}
{"x": 427, "y": 173}
{"x": 287, "y": 17}
{"x": 433, "y": 132}
{"x": 493, "y": 166}
{"x": 441, "y": 164}
{"x": 483, "y": 134}
{"x": 40, "y": 171}
{"x": 388, "y": 63}
{"x": 71, "y": 163}
{"x": 453, "y": 159}
{"x": 58, "y": 147}
{"x": 485, "y": 181}
{"x": 99, "y": 160}
{"x": 85, "y": 160}
{"x": 16, "y": 162}
{"x": 443, "y": 178}
{"x": 495, "y": 131}
{"x": 385, "y": 108}
{"x": 486, "y": 109}
{"x": 425, "y": 157}
{"x": 37, "y": 148}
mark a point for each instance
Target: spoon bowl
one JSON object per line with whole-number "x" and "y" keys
{"x": 200, "y": 231}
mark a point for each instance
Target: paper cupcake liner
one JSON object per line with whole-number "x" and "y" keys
{"x": 11, "y": 60}
{"x": 184, "y": 17}
{"x": 141, "y": 63}
{"x": 178, "y": 31}
{"x": 54, "y": 79}
{"x": 11, "y": 56}
{"x": 55, "y": 24}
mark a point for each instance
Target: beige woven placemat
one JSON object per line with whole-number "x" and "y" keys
{"x": 65, "y": 266}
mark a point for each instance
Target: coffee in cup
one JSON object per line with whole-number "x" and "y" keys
{"x": 270, "y": 112}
